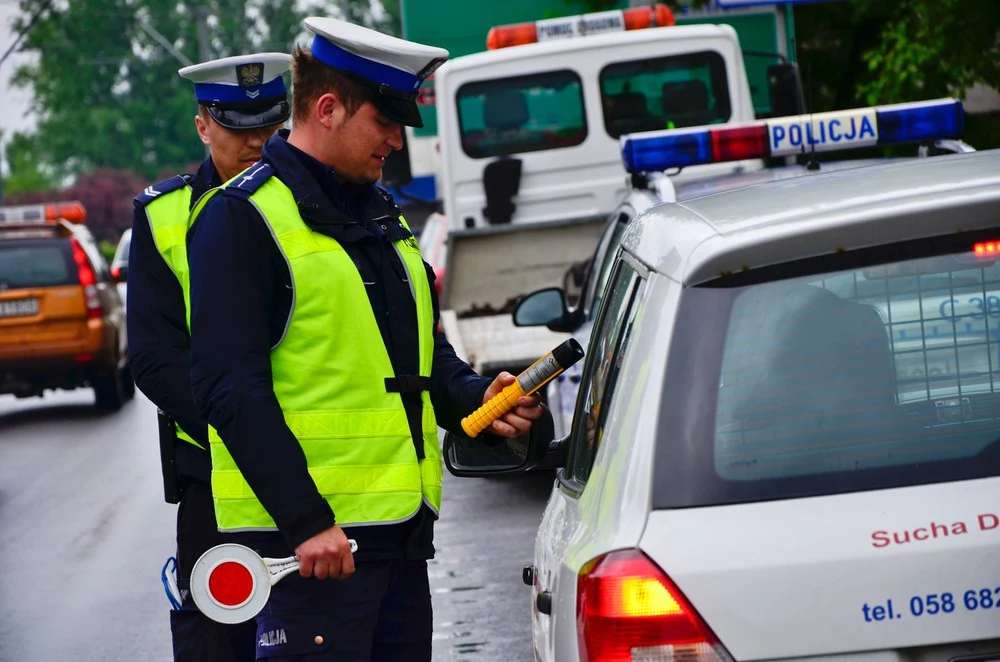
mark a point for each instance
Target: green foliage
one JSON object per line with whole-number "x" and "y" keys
{"x": 107, "y": 249}
{"x": 25, "y": 174}
{"x": 389, "y": 21}
{"x": 107, "y": 94}
{"x": 867, "y": 52}
{"x": 932, "y": 48}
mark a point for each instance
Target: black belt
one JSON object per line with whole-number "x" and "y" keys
{"x": 409, "y": 388}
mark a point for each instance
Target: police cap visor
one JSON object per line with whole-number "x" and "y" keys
{"x": 397, "y": 109}
{"x": 250, "y": 117}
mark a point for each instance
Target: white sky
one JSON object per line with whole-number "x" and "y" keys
{"x": 14, "y": 114}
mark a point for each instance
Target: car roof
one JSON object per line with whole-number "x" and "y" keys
{"x": 700, "y": 239}
{"x": 731, "y": 181}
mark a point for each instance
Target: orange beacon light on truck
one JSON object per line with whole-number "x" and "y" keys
{"x": 534, "y": 377}
{"x": 636, "y": 18}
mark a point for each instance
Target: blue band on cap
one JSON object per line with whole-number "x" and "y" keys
{"x": 334, "y": 56}
{"x": 208, "y": 92}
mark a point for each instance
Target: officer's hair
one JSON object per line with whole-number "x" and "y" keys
{"x": 311, "y": 79}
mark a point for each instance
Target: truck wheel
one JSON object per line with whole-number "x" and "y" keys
{"x": 109, "y": 391}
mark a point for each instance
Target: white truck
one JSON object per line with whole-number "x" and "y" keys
{"x": 531, "y": 160}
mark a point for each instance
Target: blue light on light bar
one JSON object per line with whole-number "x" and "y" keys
{"x": 911, "y": 122}
{"x": 799, "y": 134}
{"x": 684, "y": 147}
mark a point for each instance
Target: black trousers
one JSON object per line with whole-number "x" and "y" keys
{"x": 381, "y": 614}
{"x": 196, "y": 637}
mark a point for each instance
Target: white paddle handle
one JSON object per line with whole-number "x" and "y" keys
{"x": 281, "y": 568}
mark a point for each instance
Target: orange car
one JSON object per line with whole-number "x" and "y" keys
{"x": 62, "y": 321}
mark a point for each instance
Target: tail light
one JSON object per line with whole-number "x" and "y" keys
{"x": 88, "y": 279}
{"x": 628, "y": 610}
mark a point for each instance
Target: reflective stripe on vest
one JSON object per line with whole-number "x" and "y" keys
{"x": 168, "y": 222}
{"x": 328, "y": 372}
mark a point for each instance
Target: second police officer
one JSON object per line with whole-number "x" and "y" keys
{"x": 242, "y": 101}
{"x": 315, "y": 360}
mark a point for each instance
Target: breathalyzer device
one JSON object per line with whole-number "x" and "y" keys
{"x": 534, "y": 377}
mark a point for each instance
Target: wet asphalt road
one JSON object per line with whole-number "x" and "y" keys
{"x": 84, "y": 532}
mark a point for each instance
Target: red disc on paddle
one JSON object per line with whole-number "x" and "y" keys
{"x": 230, "y": 583}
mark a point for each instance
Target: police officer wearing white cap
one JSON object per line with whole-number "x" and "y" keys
{"x": 241, "y": 101}
{"x": 315, "y": 359}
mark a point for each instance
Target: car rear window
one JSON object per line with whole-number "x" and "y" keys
{"x": 812, "y": 378}
{"x": 35, "y": 263}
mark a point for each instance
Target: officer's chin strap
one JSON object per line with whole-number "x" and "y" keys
{"x": 409, "y": 388}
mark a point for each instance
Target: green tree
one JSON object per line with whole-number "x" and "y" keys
{"x": 933, "y": 48}
{"x": 866, "y": 52}
{"x": 107, "y": 93}
{"x": 24, "y": 171}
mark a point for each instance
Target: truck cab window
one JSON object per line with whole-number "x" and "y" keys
{"x": 522, "y": 114}
{"x": 665, "y": 93}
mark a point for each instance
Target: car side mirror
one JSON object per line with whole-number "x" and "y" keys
{"x": 492, "y": 455}
{"x": 545, "y": 307}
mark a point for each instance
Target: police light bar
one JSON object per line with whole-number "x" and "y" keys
{"x": 600, "y": 22}
{"x": 73, "y": 212}
{"x": 797, "y": 134}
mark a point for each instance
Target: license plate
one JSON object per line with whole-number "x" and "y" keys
{"x": 19, "y": 308}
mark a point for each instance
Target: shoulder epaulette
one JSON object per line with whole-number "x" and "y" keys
{"x": 158, "y": 189}
{"x": 250, "y": 180}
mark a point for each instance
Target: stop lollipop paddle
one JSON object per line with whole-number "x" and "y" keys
{"x": 231, "y": 583}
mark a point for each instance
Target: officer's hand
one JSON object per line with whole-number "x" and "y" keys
{"x": 326, "y": 554}
{"x": 518, "y": 420}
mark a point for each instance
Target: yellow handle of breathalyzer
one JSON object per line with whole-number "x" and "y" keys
{"x": 537, "y": 375}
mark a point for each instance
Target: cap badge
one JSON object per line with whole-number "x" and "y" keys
{"x": 250, "y": 75}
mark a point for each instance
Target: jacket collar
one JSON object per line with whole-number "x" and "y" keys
{"x": 327, "y": 205}
{"x": 206, "y": 178}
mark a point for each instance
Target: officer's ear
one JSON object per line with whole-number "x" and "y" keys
{"x": 330, "y": 111}
{"x": 201, "y": 123}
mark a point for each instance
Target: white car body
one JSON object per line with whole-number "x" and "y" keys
{"x": 120, "y": 261}
{"x": 839, "y": 575}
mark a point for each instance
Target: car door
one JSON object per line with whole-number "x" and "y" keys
{"x": 562, "y": 515}
{"x": 563, "y": 389}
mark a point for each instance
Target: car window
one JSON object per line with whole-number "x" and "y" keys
{"x": 880, "y": 375}
{"x": 667, "y": 92}
{"x": 605, "y": 356}
{"x": 121, "y": 254}
{"x": 606, "y": 252}
{"x": 35, "y": 263}
{"x": 522, "y": 114}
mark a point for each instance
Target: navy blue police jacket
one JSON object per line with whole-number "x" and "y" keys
{"x": 241, "y": 296}
{"x": 158, "y": 339}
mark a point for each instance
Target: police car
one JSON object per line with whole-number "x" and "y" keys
{"x": 787, "y": 439}
{"x": 652, "y": 160}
